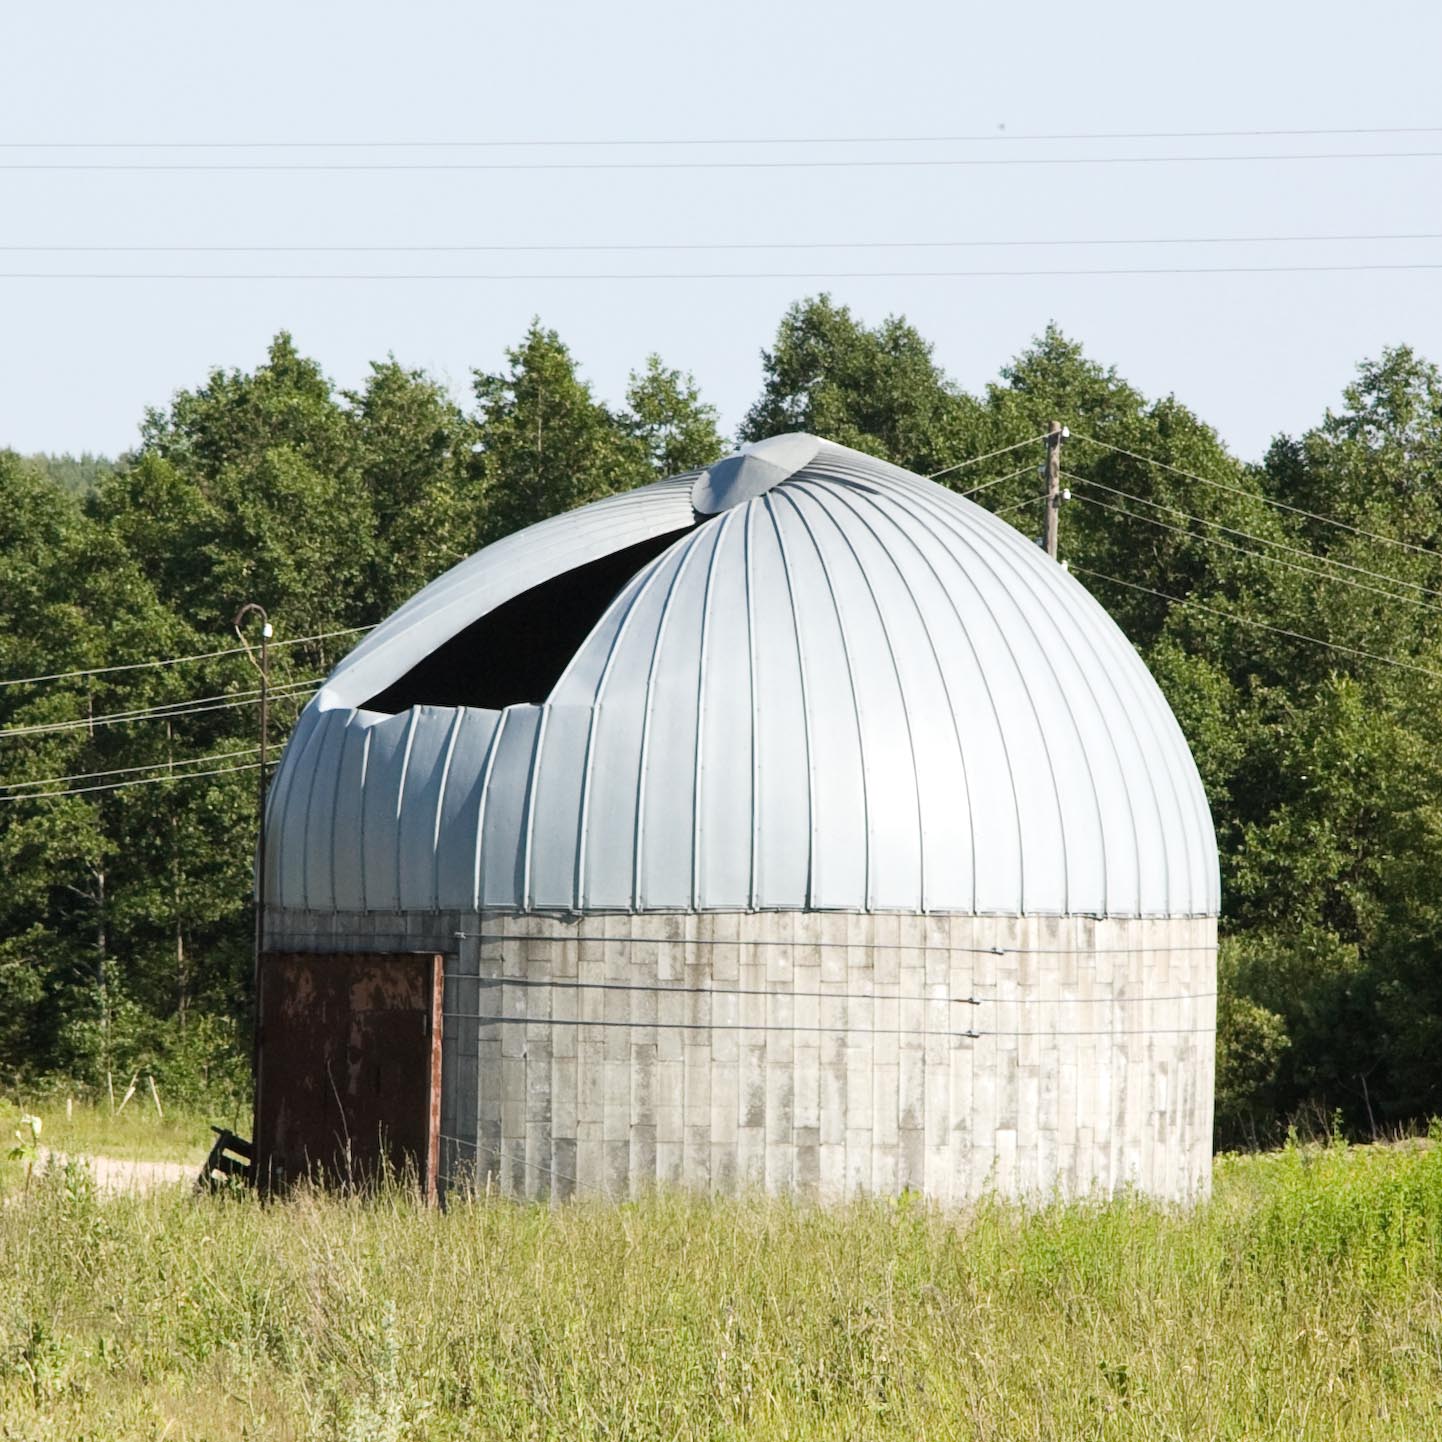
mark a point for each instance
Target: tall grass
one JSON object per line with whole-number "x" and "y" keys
{"x": 1304, "y": 1301}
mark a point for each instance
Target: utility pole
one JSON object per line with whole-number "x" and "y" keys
{"x": 264, "y": 666}
{"x": 1055, "y": 434}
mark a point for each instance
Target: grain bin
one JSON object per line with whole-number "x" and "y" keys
{"x": 795, "y": 824}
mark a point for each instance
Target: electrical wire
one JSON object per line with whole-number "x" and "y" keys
{"x": 461, "y": 248}
{"x": 1025, "y": 470}
{"x": 126, "y": 770}
{"x": 521, "y": 1164}
{"x": 289, "y": 691}
{"x": 1259, "y": 625}
{"x": 999, "y": 136}
{"x": 370, "y": 167}
{"x": 808, "y": 275}
{"x": 1259, "y": 555}
{"x": 177, "y": 660}
{"x": 673, "y": 988}
{"x": 122, "y": 785}
{"x": 757, "y": 942}
{"x": 986, "y": 456}
{"x": 1248, "y": 536}
{"x": 1016, "y": 506}
{"x": 1252, "y": 495}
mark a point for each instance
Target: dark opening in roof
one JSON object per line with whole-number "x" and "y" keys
{"x": 516, "y": 653}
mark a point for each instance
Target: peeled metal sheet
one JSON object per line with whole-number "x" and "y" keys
{"x": 848, "y": 689}
{"x": 494, "y": 575}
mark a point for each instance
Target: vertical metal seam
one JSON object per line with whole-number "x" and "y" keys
{"x": 492, "y": 751}
{"x": 365, "y": 772}
{"x": 646, "y": 578}
{"x": 1010, "y": 650}
{"x": 335, "y": 804}
{"x": 1001, "y": 732}
{"x": 1095, "y": 639}
{"x": 638, "y": 839}
{"x": 721, "y": 525}
{"x": 1158, "y": 750}
{"x": 969, "y": 535}
{"x": 748, "y": 596}
{"x": 855, "y": 699}
{"x": 811, "y": 847}
{"x": 1198, "y": 808}
{"x": 867, "y": 499}
{"x": 835, "y": 492}
{"x": 533, "y": 788}
{"x": 401, "y": 793}
{"x": 278, "y": 803}
{"x": 313, "y": 741}
{"x": 456, "y": 724}
{"x": 1087, "y": 639}
{"x": 1157, "y": 754}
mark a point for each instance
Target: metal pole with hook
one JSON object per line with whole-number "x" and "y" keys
{"x": 266, "y": 631}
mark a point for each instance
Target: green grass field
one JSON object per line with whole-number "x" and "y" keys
{"x": 1304, "y": 1301}
{"x": 137, "y": 1134}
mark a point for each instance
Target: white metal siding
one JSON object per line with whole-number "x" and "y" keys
{"x": 851, "y": 690}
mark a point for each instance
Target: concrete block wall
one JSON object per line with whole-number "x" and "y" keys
{"x": 825, "y": 1053}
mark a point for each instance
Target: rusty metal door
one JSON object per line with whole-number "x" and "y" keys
{"x": 349, "y": 1073}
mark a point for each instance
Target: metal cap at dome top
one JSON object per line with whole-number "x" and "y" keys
{"x": 752, "y": 471}
{"x": 804, "y": 679}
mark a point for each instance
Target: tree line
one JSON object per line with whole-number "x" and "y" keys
{"x": 1289, "y": 609}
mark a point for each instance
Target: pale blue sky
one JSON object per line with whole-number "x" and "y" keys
{"x": 1253, "y": 353}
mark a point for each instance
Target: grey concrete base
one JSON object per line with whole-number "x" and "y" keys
{"x": 829, "y": 1054}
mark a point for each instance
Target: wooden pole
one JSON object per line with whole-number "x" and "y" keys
{"x": 1053, "y": 487}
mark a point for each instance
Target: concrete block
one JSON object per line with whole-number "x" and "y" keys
{"x": 833, "y": 1076}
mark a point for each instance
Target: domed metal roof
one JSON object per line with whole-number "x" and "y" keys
{"x": 839, "y": 687}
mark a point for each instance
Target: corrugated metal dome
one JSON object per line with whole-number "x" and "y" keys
{"x": 839, "y": 686}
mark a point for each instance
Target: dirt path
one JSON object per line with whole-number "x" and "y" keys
{"x": 120, "y": 1174}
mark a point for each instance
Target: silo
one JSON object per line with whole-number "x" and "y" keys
{"x": 794, "y": 824}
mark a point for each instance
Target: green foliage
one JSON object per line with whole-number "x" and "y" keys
{"x": 125, "y": 927}
{"x": 876, "y": 389}
{"x": 665, "y": 412}
{"x": 1250, "y": 1043}
{"x": 549, "y": 445}
{"x": 75, "y": 475}
{"x": 1302, "y": 659}
{"x": 1300, "y": 1302}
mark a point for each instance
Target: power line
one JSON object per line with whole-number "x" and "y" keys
{"x": 1260, "y": 625}
{"x": 1025, "y": 470}
{"x": 176, "y": 660}
{"x": 986, "y": 456}
{"x": 1258, "y": 555}
{"x": 289, "y": 690}
{"x": 1016, "y": 506}
{"x": 121, "y": 785}
{"x": 126, "y": 770}
{"x": 467, "y": 248}
{"x": 584, "y": 936}
{"x": 997, "y": 136}
{"x": 850, "y": 163}
{"x": 1248, "y": 536}
{"x": 1266, "y": 500}
{"x": 808, "y": 275}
